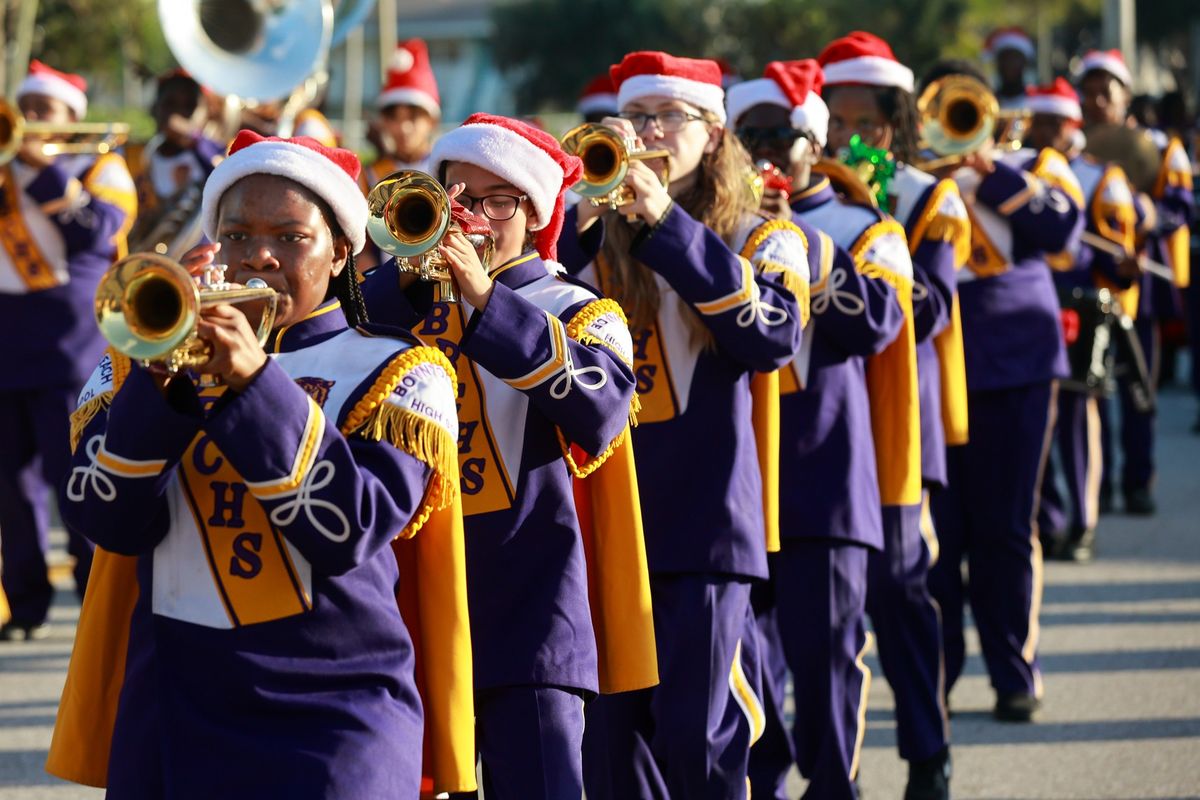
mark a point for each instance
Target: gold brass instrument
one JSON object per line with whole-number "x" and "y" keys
{"x": 846, "y": 181}
{"x": 85, "y": 137}
{"x": 147, "y": 307}
{"x": 960, "y": 115}
{"x": 606, "y": 155}
{"x": 408, "y": 216}
{"x": 1131, "y": 149}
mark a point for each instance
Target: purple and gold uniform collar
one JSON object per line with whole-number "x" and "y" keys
{"x": 323, "y": 322}
{"x": 522, "y": 270}
{"x": 818, "y": 193}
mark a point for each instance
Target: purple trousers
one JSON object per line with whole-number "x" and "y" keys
{"x": 35, "y": 454}
{"x": 908, "y": 630}
{"x": 689, "y": 737}
{"x": 529, "y": 740}
{"x": 1136, "y": 437}
{"x": 988, "y": 515}
{"x": 820, "y": 588}
{"x": 1078, "y": 458}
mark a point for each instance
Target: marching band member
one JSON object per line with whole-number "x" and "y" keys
{"x": 1105, "y": 89}
{"x": 598, "y": 99}
{"x": 714, "y": 293}
{"x": 830, "y": 509}
{"x": 409, "y": 111}
{"x": 1011, "y": 50}
{"x": 62, "y": 221}
{"x": 172, "y": 167}
{"x": 266, "y": 637}
{"x": 873, "y": 98}
{"x": 1023, "y": 207}
{"x": 542, "y": 363}
{"x": 1068, "y": 525}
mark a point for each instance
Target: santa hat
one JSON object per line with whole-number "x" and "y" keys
{"x": 530, "y": 159}
{"x": 794, "y": 85}
{"x": 599, "y": 95}
{"x": 866, "y": 60}
{"x": 328, "y": 172}
{"x": 410, "y": 79}
{"x": 1110, "y": 61}
{"x": 71, "y": 89}
{"x": 654, "y": 74}
{"x": 1059, "y": 99}
{"x": 1003, "y": 39}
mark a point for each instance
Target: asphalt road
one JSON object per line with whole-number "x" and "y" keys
{"x": 1120, "y": 650}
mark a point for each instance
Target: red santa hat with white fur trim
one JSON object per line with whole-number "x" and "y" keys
{"x": 599, "y": 96}
{"x": 525, "y": 156}
{"x": 864, "y": 59}
{"x": 655, "y": 74}
{"x": 794, "y": 85}
{"x": 331, "y": 173}
{"x": 70, "y": 89}
{"x": 410, "y": 80}
{"x": 1110, "y": 61}
{"x": 1013, "y": 38}
{"x": 1058, "y": 98}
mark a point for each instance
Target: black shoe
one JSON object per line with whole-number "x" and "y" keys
{"x": 929, "y": 779}
{"x": 16, "y": 632}
{"x": 1078, "y": 547}
{"x": 1140, "y": 502}
{"x": 1106, "y": 500}
{"x": 1019, "y": 707}
{"x": 1052, "y": 542}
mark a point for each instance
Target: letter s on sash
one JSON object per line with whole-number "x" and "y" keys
{"x": 246, "y": 562}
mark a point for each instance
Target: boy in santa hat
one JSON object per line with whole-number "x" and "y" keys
{"x": 1011, "y": 50}
{"x": 409, "y": 111}
{"x": 1167, "y": 209}
{"x": 1067, "y": 525}
{"x": 62, "y": 221}
{"x": 828, "y": 524}
{"x": 545, "y": 377}
{"x": 171, "y": 168}
{"x": 715, "y": 293}
{"x": 259, "y": 516}
{"x": 1025, "y": 207}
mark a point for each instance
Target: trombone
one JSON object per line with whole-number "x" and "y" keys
{"x": 408, "y": 216}
{"x": 95, "y": 137}
{"x": 147, "y": 307}
{"x": 959, "y": 116}
{"x": 606, "y": 155}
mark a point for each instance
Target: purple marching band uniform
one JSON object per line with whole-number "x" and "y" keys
{"x": 60, "y": 228}
{"x": 162, "y": 180}
{"x": 546, "y": 362}
{"x": 1108, "y": 203}
{"x": 1014, "y": 353}
{"x": 702, "y": 499}
{"x": 266, "y": 637}
{"x": 1168, "y": 243}
{"x": 905, "y": 618}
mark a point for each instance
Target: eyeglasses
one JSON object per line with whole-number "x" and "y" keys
{"x": 667, "y": 121}
{"x": 772, "y": 138}
{"x": 498, "y": 207}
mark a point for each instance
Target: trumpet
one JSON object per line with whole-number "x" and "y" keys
{"x": 409, "y": 215}
{"x": 147, "y": 307}
{"x": 94, "y": 137}
{"x": 959, "y": 116}
{"x": 606, "y": 156}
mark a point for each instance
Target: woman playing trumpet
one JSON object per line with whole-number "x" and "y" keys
{"x": 266, "y": 637}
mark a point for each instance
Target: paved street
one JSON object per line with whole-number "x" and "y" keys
{"x": 1120, "y": 649}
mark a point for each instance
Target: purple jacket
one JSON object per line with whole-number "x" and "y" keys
{"x": 1012, "y": 335}
{"x": 695, "y": 446}
{"x": 56, "y": 240}
{"x": 266, "y": 636}
{"x": 530, "y": 364}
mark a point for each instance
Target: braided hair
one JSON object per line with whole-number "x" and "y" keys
{"x": 344, "y": 286}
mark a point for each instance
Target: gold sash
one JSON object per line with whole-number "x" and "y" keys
{"x": 27, "y": 258}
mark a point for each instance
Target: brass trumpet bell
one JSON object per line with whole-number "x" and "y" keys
{"x": 606, "y": 155}
{"x": 408, "y": 215}
{"x": 86, "y": 137}
{"x": 147, "y": 307}
{"x": 959, "y": 115}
